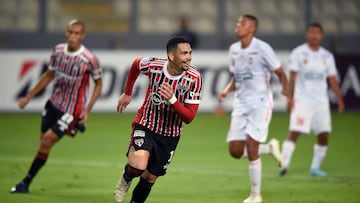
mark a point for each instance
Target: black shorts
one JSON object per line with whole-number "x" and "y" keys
{"x": 61, "y": 123}
{"x": 161, "y": 148}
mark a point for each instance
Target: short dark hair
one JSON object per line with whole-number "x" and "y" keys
{"x": 253, "y": 18}
{"x": 76, "y": 22}
{"x": 174, "y": 41}
{"x": 315, "y": 24}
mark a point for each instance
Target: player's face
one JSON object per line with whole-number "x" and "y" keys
{"x": 314, "y": 36}
{"x": 244, "y": 27}
{"x": 74, "y": 34}
{"x": 181, "y": 57}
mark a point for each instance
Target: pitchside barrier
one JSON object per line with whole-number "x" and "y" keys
{"x": 21, "y": 69}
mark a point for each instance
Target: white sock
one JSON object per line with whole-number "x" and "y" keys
{"x": 288, "y": 147}
{"x": 319, "y": 155}
{"x": 255, "y": 175}
{"x": 263, "y": 149}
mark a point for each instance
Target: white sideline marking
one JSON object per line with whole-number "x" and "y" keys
{"x": 179, "y": 169}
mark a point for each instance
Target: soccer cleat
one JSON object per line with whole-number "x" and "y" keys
{"x": 275, "y": 151}
{"x": 253, "y": 198}
{"x": 20, "y": 188}
{"x": 318, "y": 172}
{"x": 121, "y": 189}
{"x": 283, "y": 172}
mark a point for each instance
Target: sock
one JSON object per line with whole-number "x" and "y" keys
{"x": 141, "y": 191}
{"x": 288, "y": 148}
{"x": 255, "y": 175}
{"x": 36, "y": 165}
{"x": 131, "y": 172}
{"x": 263, "y": 149}
{"x": 319, "y": 155}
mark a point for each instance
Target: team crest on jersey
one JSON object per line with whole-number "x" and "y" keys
{"x": 305, "y": 61}
{"x": 76, "y": 65}
{"x": 139, "y": 142}
{"x": 182, "y": 88}
{"x": 250, "y": 60}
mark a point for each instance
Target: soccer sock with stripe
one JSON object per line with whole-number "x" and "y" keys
{"x": 141, "y": 191}
{"x": 131, "y": 172}
{"x": 36, "y": 165}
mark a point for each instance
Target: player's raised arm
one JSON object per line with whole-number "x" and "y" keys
{"x": 133, "y": 74}
{"x": 45, "y": 79}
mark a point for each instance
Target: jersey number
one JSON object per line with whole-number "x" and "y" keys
{"x": 65, "y": 121}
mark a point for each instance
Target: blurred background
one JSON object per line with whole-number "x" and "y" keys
{"x": 143, "y": 24}
{"x": 120, "y": 30}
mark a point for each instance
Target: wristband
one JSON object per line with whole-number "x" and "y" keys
{"x": 172, "y": 100}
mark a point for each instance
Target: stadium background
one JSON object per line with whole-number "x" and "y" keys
{"x": 118, "y": 31}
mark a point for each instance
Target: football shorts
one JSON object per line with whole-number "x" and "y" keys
{"x": 161, "y": 148}
{"x": 61, "y": 123}
{"x": 251, "y": 120}
{"x": 307, "y": 116}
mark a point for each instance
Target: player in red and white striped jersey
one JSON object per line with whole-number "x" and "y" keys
{"x": 71, "y": 66}
{"x": 172, "y": 98}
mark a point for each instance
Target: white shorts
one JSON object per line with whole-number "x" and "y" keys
{"x": 252, "y": 120}
{"x": 307, "y": 116}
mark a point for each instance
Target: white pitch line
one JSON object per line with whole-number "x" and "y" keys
{"x": 181, "y": 169}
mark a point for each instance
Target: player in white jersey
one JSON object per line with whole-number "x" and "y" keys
{"x": 252, "y": 61}
{"x": 310, "y": 68}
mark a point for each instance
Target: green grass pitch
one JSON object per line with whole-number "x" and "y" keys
{"x": 86, "y": 168}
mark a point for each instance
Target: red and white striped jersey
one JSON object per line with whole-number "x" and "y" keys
{"x": 72, "y": 73}
{"x": 157, "y": 114}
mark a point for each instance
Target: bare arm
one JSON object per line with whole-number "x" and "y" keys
{"x": 229, "y": 88}
{"x": 293, "y": 76}
{"x": 45, "y": 79}
{"x": 95, "y": 95}
{"x": 335, "y": 87}
{"x": 283, "y": 80}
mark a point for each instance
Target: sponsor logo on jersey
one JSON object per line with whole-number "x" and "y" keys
{"x": 156, "y": 98}
{"x": 139, "y": 133}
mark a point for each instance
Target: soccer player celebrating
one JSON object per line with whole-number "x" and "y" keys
{"x": 172, "y": 98}
{"x": 310, "y": 67}
{"x": 251, "y": 63}
{"x": 70, "y": 66}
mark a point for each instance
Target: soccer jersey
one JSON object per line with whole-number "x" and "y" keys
{"x": 72, "y": 73}
{"x": 157, "y": 114}
{"x": 313, "y": 68}
{"x": 252, "y": 68}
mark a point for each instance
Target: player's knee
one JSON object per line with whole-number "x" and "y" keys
{"x": 236, "y": 153}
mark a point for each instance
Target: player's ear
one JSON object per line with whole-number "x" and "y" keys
{"x": 171, "y": 55}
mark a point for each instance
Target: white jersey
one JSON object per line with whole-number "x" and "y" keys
{"x": 252, "y": 68}
{"x": 313, "y": 68}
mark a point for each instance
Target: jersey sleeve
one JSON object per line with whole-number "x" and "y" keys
{"x": 270, "y": 58}
{"x": 231, "y": 60}
{"x": 96, "y": 70}
{"x": 331, "y": 70}
{"x": 53, "y": 62}
{"x": 194, "y": 94}
{"x": 144, "y": 64}
{"x": 294, "y": 61}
